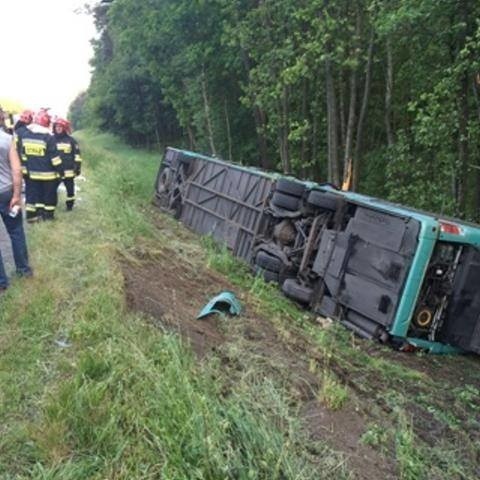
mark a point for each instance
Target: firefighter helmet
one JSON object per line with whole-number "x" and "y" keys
{"x": 42, "y": 118}
{"x": 65, "y": 124}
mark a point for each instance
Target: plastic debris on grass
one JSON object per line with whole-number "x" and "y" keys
{"x": 224, "y": 303}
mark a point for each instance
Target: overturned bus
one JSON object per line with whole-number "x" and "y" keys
{"x": 385, "y": 271}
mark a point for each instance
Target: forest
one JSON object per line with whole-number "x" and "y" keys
{"x": 386, "y": 89}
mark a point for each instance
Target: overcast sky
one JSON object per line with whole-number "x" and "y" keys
{"x": 45, "y": 52}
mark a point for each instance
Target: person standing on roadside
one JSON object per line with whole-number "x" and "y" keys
{"x": 10, "y": 206}
{"x": 44, "y": 168}
{"x": 19, "y": 129}
{"x": 69, "y": 152}
{"x": 24, "y": 120}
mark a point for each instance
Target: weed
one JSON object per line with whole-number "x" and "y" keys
{"x": 469, "y": 396}
{"x": 407, "y": 450}
{"x": 332, "y": 393}
{"x": 376, "y": 436}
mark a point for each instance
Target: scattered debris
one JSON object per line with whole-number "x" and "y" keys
{"x": 224, "y": 302}
{"x": 324, "y": 322}
{"x": 63, "y": 343}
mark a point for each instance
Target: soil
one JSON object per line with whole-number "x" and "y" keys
{"x": 169, "y": 293}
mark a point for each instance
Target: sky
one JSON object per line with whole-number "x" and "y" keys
{"x": 45, "y": 52}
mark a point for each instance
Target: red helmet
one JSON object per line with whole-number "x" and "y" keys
{"x": 42, "y": 118}
{"x": 26, "y": 117}
{"x": 65, "y": 124}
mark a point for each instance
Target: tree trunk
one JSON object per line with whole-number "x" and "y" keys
{"x": 315, "y": 145}
{"x": 462, "y": 144}
{"x": 229, "y": 134}
{"x": 361, "y": 116}
{"x": 191, "y": 138}
{"x": 303, "y": 146}
{"x": 463, "y": 114}
{"x": 341, "y": 106}
{"x": 282, "y": 130}
{"x": 157, "y": 136}
{"x": 388, "y": 93}
{"x": 261, "y": 125}
{"x": 476, "y": 96}
{"x": 285, "y": 132}
{"x": 333, "y": 170}
{"x": 347, "y": 157}
{"x": 208, "y": 119}
{"x": 260, "y": 119}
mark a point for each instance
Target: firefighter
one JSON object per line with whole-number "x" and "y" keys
{"x": 69, "y": 152}
{"x": 24, "y": 120}
{"x": 44, "y": 168}
{"x": 20, "y": 128}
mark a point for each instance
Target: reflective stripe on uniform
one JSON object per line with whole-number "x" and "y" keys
{"x": 56, "y": 161}
{"x": 34, "y": 147}
{"x": 78, "y": 158}
{"x": 30, "y": 208}
{"x": 69, "y": 174}
{"x": 49, "y": 208}
{"x": 70, "y": 198}
{"x": 39, "y": 205}
{"x": 43, "y": 175}
{"x": 64, "y": 147}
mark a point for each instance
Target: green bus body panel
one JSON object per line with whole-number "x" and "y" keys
{"x": 411, "y": 290}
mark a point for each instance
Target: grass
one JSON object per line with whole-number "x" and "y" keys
{"x": 89, "y": 390}
{"x": 408, "y": 454}
{"x": 332, "y": 393}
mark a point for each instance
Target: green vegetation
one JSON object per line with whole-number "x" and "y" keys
{"x": 302, "y": 86}
{"x": 408, "y": 454}
{"x": 333, "y": 394}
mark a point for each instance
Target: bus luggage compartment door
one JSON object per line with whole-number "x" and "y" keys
{"x": 364, "y": 267}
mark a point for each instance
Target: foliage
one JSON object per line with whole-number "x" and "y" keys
{"x": 76, "y": 111}
{"x": 333, "y": 394}
{"x": 303, "y": 87}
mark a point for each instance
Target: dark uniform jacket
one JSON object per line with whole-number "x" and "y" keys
{"x": 69, "y": 152}
{"x": 20, "y": 129}
{"x": 39, "y": 153}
